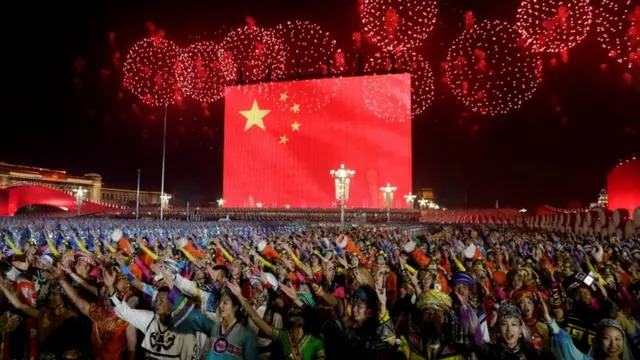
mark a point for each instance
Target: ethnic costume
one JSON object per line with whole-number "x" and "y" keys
{"x": 368, "y": 341}
{"x": 500, "y": 350}
{"x": 563, "y": 347}
{"x": 237, "y": 342}
{"x": 161, "y": 341}
{"x": 308, "y": 347}
{"x": 56, "y": 330}
{"x": 451, "y": 343}
{"x": 25, "y": 326}
{"x": 108, "y": 334}
{"x": 538, "y": 330}
{"x": 464, "y": 278}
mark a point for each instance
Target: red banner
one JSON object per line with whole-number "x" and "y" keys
{"x": 282, "y": 140}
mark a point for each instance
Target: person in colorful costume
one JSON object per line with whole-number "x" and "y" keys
{"x": 229, "y": 339}
{"x": 434, "y": 332}
{"x": 111, "y": 337}
{"x": 162, "y": 339}
{"x": 529, "y": 304}
{"x": 297, "y": 340}
{"x": 55, "y": 323}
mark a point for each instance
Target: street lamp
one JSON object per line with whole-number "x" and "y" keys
{"x": 387, "y": 192}
{"x": 259, "y": 204}
{"x": 423, "y": 203}
{"x": 342, "y": 178}
{"x": 410, "y": 198}
{"x": 523, "y": 210}
{"x": 221, "y": 203}
{"x": 80, "y": 193}
{"x": 164, "y": 203}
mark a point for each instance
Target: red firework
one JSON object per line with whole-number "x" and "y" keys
{"x": 422, "y": 84}
{"x": 398, "y": 23}
{"x": 310, "y": 48}
{"x": 256, "y": 51}
{"x": 204, "y": 70}
{"x": 489, "y": 72}
{"x": 553, "y": 25}
{"x": 618, "y": 29}
{"x": 149, "y": 71}
{"x": 310, "y": 51}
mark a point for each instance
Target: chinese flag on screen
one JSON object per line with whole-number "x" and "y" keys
{"x": 282, "y": 140}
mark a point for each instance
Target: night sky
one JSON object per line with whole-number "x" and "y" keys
{"x": 56, "y": 117}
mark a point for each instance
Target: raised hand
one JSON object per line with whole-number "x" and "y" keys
{"x": 57, "y": 272}
{"x": 109, "y": 279}
{"x": 381, "y": 291}
{"x": 65, "y": 268}
{"x": 156, "y": 268}
{"x": 543, "y": 307}
{"x": 291, "y": 293}
{"x": 235, "y": 289}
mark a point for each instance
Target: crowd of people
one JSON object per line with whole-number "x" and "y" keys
{"x": 112, "y": 289}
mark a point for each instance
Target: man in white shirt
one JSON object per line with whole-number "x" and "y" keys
{"x": 160, "y": 339}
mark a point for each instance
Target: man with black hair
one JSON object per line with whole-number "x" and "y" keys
{"x": 209, "y": 296}
{"x": 161, "y": 338}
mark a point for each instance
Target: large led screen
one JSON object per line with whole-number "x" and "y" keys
{"x": 282, "y": 140}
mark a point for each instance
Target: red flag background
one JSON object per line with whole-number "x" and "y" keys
{"x": 282, "y": 139}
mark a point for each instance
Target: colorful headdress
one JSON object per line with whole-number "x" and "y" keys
{"x": 307, "y": 299}
{"x": 85, "y": 258}
{"x": 181, "y": 306}
{"x": 462, "y": 277}
{"x": 508, "y": 310}
{"x": 518, "y": 295}
{"x": 434, "y": 298}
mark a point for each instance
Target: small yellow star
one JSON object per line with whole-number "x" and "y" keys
{"x": 283, "y": 139}
{"x": 254, "y": 116}
{"x": 295, "y": 108}
{"x": 295, "y": 126}
{"x": 284, "y": 97}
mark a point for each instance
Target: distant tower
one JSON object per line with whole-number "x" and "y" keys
{"x": 603, "y": 199}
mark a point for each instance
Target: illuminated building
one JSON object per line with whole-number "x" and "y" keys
{"x": 12, "y": 175}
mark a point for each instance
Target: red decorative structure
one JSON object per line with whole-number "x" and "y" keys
{"x": 15, "y": 197}
{"x": 623, "y": 185}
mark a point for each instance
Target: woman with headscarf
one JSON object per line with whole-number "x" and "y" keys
{"x": 511, "y": 338}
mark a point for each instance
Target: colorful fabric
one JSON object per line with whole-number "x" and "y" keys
{"x": 434, "y": 298}
{"x": 238, "y": 343}
{"x": 181, "y": 306}
{"x": 308, "y": 347}
{"x": 108, "y": 336}
{"x": 463, "y": 278}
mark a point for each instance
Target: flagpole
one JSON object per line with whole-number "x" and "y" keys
{"x": 138, "y": 195}
{"x": 164, "y": 153}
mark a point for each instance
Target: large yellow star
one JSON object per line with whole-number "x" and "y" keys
{"x": 295, "y": 126}
{"x": 254, "y": 116}
{"x": 283, "y": 139}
